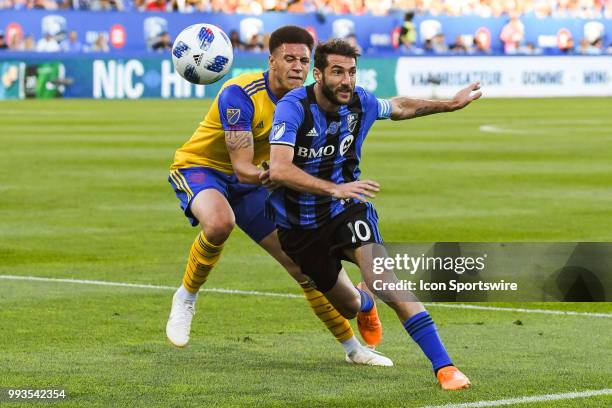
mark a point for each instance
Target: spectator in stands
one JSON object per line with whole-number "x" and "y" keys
{"x": 458, "y": 47}
{"x": 228, "y": 6}
{"x": 163, "y": 43}
{"x": 428, "y": 48}
{"x": 567, "y": 47}
{"x": 15, "y": 42}
{"x": 249, "y": 7}
{"x": 65, "y": 4}
{"x": 483, "y": 9}
{"x": 599, "y": 46}
{"x": 3, "y": 44}
{"x": 594, "y": 48}
{"x": 481, "y": 45}
{"x": 351, "y": 39}
{"x": 48, "y": 44}
{"x": 28, "y": 43}
{"x": 512, "y": 34}
{"x": 41, "y": 4}
{"x": 235, "y": 39}
{"x": 255, "y": 44}
{"x": 408, "y": 32}
{"x": 529, "y": 49}
{"x": 106, "y": 5}
{"x": 155, "y": 5}
{"x": 298, "y": 6}
{"x": 439, "y": 44}
{"x": 100, "y": 45}
{"x": 358, "y": 7}
{"x": 266, "y": 41}
{"x": 585, "y": 9}
{"x": 72, "y": 43}
{"x": 543, "y": 9}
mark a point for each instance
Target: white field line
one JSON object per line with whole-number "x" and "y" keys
{"x": 292, "y": 295}
{"x": 510, "y": 309}
{"x": 145, "y": 286}
{"x": 498, "y": 129}
{"x": 526, "y": 400}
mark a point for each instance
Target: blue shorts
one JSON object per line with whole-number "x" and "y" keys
{"x": 247, "y": 200}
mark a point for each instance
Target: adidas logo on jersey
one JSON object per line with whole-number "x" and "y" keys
{"x": 259, "y": 125}
{"x": 198, "y": 59}
{"x": 312, "y": 133}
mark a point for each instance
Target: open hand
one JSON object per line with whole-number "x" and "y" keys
{"x": 359, "y": 189}
{"x": 465, "y": 96}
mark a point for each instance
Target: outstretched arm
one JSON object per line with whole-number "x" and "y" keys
{"x": 408, "y": 108}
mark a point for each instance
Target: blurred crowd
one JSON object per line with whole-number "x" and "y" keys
{"x": 433, "y": 42}
{"x": 428, "y": 38}
{"x": 512, "y": 37}
{"x": 50, "y": 43}
{"x": 482, "y": 8}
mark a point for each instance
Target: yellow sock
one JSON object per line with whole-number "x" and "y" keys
{"x": 202, "y": 257}
{"x": 335, "y": 322}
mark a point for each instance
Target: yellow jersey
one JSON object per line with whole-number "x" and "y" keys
{"x": 243, "y": 103}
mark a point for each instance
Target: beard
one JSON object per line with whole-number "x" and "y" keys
{"x": 331, "y": 93}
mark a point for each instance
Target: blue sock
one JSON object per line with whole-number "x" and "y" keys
{"x": 367, "y": 303}
{"x": 424, "y": 332}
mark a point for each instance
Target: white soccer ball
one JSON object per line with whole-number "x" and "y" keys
{"x": 202, "y": 54}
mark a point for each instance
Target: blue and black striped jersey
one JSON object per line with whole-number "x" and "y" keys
{"x": 327, "y": 145}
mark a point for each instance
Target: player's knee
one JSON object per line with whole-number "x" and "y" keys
{"x": 218, "y": 230}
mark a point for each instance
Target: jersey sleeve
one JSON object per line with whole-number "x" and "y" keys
{"x": 235, "y": 109}
{"x": 377, "y": 108}
{"x": 288, "y": 118}
{"x": 384, "y": 108}
{"x": 373, "y": 108}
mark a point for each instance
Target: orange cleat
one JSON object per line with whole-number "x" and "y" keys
{"x": 369, "y": 325}
{"x": 451, "y": 378}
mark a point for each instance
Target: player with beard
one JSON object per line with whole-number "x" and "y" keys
{"x": 215, "y": 176}
{"x": 321, "y": 210}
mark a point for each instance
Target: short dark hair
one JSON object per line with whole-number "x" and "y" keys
{"x": 333, "y": 47}
{"x": 290, "y": 35}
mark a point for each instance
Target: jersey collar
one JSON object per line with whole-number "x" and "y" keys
{"x": 273, "y": 98}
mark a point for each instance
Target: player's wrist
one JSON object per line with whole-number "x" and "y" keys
{"x": 450, "y": 106}
{"x": 332, "y": 189}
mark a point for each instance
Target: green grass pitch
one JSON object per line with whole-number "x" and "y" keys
{"x": 83, "y": 195}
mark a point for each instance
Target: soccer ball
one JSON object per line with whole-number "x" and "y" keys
{"x": 202, "y": 54}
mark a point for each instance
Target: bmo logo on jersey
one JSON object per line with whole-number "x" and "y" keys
{"x": 325, "y": 151}
{"x": 312, "y": 153}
